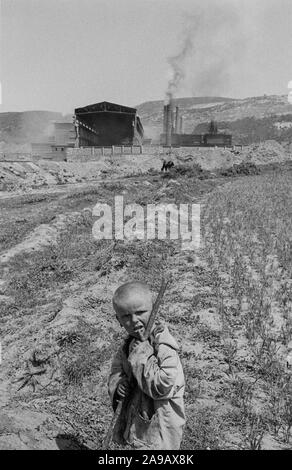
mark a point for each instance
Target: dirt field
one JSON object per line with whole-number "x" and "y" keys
{"x": 228, "y": 305}
{"x": 26, "y": 176}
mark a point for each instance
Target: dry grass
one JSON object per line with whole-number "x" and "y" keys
{"x": 247, "y": 231}
{"x": 238, "y": 388}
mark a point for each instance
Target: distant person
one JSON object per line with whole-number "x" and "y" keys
{"x": 167, "y": 165}
{"x": 164, "y": 166}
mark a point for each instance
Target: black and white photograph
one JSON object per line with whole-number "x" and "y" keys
{"x": 146, "y": 228}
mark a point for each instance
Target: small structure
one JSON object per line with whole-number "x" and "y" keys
{"x": 55, "y": 148}
{"x": 64, "y": 134}
{"x": 173, "y": 132}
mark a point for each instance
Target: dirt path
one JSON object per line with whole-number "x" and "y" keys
{"x": 23, "y": 426}
{"x": 68, "y": 187}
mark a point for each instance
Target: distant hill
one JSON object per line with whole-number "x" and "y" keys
{"x": 19, "y": 129}
{"x": 249, "y": 120}
{"x": 155, "y": 106}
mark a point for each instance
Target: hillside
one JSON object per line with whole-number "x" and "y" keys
{"x": 151, "y": 107}
{"x": 18, "y": 129}
{"x": 249, "y": 120}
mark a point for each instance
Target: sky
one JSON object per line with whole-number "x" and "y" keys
{"x": 57, "y": 55}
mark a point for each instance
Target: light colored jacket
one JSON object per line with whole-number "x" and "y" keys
{"x": 152, "y": 415}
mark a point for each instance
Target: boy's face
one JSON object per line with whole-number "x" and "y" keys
{"x": 133, "y": 314}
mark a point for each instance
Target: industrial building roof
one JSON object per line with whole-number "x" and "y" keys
{"x": 105, "y": 106}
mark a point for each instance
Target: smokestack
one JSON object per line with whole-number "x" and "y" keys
{"x": 173, "y": 121}
{"x": 164, "y": 119}
{"x": 166, "y": 122}
{"x": 177, "y": 120}
{"x": 181, "y": 125}
{"x": 169, "y": 123}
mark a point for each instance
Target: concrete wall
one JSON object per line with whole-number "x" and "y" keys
{"x": 49, "y": 151}
{"x": 94, "y": 153}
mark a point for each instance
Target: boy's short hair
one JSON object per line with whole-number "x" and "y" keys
{"x": 128, "y": 288}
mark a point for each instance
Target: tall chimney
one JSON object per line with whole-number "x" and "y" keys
{"x": 173, "y": 120}
{"x": 181, "y": 125}
{"x": 177, "y": 120}
{"x": 169, "y": 123}
{"x": 164, "y": 119}
{"x": 166, "y": 122}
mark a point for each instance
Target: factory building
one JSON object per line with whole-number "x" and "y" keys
{"x": 173, "y": 134}
{"x": 106, "y": 124}
{"x": 97, "y": 125}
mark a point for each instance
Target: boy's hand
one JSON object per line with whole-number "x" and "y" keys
{"x": 123, "y": 388}
{"x": 158, "y": 328}
{"x": 134, "y": 343}
{"x": 140, "y": 347}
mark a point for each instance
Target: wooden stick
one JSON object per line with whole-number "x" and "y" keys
{"x": 109, "y": 434}
{"x": 155, "y": 309}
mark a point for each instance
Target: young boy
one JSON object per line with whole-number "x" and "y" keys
{"x": 146, "y": 375}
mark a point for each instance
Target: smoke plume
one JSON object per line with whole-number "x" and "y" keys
{"x": 178, "y": 62}
{"x": 211, "y": 41}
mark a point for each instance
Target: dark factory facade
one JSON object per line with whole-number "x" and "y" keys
{"x": 173, "y": 132}
{"x": 107, "y": 124}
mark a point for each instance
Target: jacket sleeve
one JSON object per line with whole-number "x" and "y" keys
{"x": 117, "y": 374}
{"x": 155, "y": 374}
